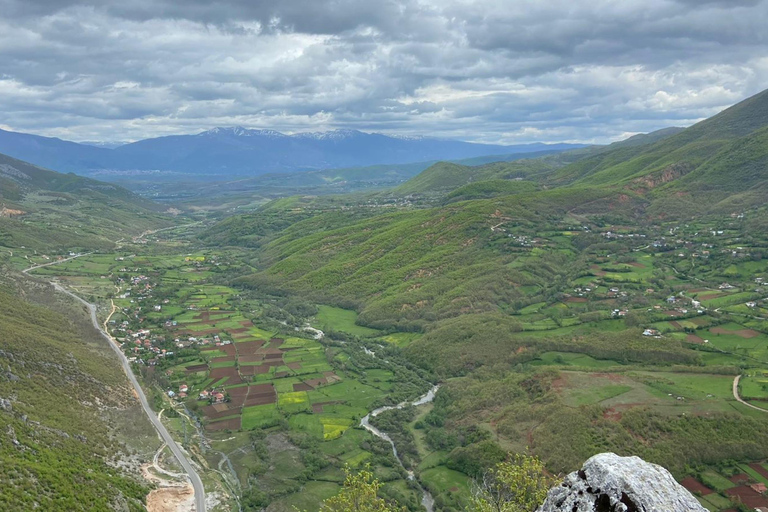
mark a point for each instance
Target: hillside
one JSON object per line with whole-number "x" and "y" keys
{"x": 443, "y": 177}
{"x": 43, "y": 209}
{"x": 65, "y": 411}
{"x": 714, "y": 152}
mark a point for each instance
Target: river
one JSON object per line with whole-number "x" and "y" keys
{"x": 426, "y": 498}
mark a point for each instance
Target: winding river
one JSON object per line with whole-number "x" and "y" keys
{"x": 426, "y": 498}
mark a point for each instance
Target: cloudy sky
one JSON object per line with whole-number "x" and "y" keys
{"x": 502, "y": 71}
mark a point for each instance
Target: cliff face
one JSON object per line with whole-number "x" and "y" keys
{"x": 609, "y": 483}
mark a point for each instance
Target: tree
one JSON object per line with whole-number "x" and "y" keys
{"x": 519, "y": 485}
{"x": 359, "y": 494}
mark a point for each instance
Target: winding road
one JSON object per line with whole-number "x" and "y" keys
{"x": 738, "y": 398}
{"x": 194, "y": 478}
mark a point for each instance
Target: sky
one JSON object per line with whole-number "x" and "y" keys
{"x": 494, "y": 71}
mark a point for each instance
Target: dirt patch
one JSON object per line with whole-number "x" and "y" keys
{"x": 331, "y": 377}
{"x": 318, "y": 407}
{"x": 612, "y": 414}
{"x": 694, "y": 485}
{"x": 744, "y": 333}
{"x": 171, "y": 499}
{"x": 692, "y": 338}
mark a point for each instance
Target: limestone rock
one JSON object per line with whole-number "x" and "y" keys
{"x": 609, "y": 483}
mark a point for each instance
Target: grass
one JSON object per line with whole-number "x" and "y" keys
{"x": 338, "y": 319}
{"x": 260, "y": 416}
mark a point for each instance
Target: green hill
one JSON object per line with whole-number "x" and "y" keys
{"x": 47, "y": 210}
{"x": 712, "y": 144}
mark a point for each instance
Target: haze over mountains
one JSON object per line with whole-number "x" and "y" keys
{"x": 237, "y": 151}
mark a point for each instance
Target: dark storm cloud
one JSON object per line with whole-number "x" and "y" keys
{"x": 487, "y": 70}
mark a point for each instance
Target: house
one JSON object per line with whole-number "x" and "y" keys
{"x": 671, "y": 299}
{"x": 650, "y": 332}
{"x": 183, "y": 388}
{"x": 182, "y": 395}
{"x": 218, "y": 397}
{"x": 171, "y": 393}
{"x": 751, "y": 304}
{"x": 759, "y": 487}
{"x": 158, "y": 308}
{"x": 203, "y": 395}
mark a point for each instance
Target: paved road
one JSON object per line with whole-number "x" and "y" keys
{"x": 738, "y": 398}
{"x": 194, "y": 478}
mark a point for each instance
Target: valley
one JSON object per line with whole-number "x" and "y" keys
{"x": 606, "y": 299}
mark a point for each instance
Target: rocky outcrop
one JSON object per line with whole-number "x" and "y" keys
{"x": 609, "y": 483}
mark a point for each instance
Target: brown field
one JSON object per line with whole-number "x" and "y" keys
{"x": 302, "y": 386}
{"x": 675, "y": 324}
{"x": 577, "y": 299}
{"x": 273, "y": 356}
{"x": 223, "y": 359}
{"x": 280, "y": 375}
{"x": 636, "y": 264}
{"x": 694, "y": 485}
{"x": 211, "y": 413}
{"x": 318, "y": 407}
{"x": 249, "y": 347}
{"x": 238, "y": 391}
{"x": 744, "y": 333}
{"x": 239, "y": 330}
{"x": 692, "y": 338}
{"x": 246, "y": 323}
{"x": 252, "y": 358}
{"x": 259, "y": 400}
{"x": 740, "y": 478}
{"x": 759, "y": 469}
{"x": 231, "y": 424}
{"x": 230, "y": 372}
{"x": 748, "y": 496}
{"x": 196, "y": 368}
{"x": 294, "y": 365}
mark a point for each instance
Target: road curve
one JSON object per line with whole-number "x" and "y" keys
{"x": 194, "y": 478}
{"x": 738, "y": 398}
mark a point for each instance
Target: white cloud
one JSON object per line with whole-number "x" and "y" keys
{"x": 485, "y": 70}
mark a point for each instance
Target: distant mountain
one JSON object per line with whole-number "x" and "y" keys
{"x": 239, "y": 151}
{"x": 53, "y": 153}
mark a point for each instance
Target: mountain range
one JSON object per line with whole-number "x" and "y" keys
{"x": 237, "y": 151}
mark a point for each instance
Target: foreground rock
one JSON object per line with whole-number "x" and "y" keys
{"x": 609, "y": 483}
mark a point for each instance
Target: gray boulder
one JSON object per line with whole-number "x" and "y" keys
{"x": 609, "y": 483}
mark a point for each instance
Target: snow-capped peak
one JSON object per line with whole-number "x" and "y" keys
{"x": 239, "y": 131}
